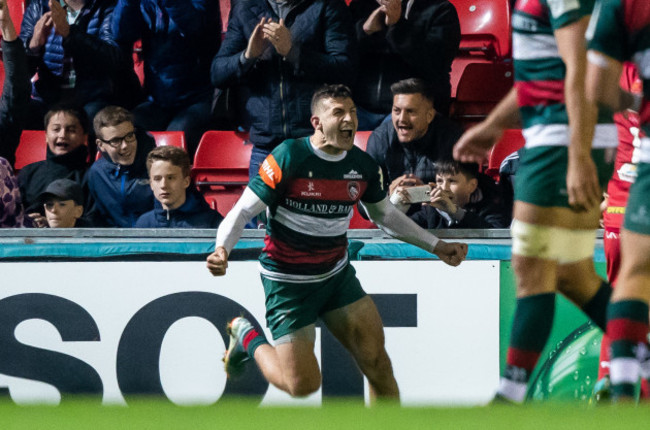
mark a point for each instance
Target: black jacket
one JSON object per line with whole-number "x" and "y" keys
{"x": 486, "y": 209}
{"x": 422, "y": 46}
{"x": 15, "y": 98}
{"x": 35, "y": 177}
{"x": 277, "y": 92}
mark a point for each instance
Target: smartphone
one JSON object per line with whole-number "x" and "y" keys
{"x": 419, "y": 193}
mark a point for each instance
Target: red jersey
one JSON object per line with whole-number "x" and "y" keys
{"x": 627, "y": 154}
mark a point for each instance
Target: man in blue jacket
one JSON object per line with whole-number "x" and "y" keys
{"x": 71, "y": 48}
{"x": 278, "y": 53}
{"x": 118, "y": 183}
{"x": 179, "y": 40}
{"x": 178, "y": 205}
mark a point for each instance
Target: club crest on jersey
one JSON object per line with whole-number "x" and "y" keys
{"x": 353, "y": 190}
{"x": 353, "y": 174}
{"x": 270, "y": 172}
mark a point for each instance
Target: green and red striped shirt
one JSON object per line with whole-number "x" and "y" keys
{"x": 540, "y": 72}
{"x": 310, "y": 196}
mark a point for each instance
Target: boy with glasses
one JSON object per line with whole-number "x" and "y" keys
{"x": 118, "y": 181}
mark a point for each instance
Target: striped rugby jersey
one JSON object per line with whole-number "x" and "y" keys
{"x": 620, "y": 29}
{"x": 310, "y": 196}
{"x": 540, "y": 72}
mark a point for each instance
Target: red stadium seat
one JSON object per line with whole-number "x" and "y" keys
{"x": 358, "y": 222}
{"x": 485, "y": 39}
{"x": 220, "y": 168}
{"x": 485, "y": 28}
{"x": 480, "y": 88}
{"x": 361, "y": 139}
{"x": 16, "y": 10}
{"x": 32, "y": 148}
{"x": 224, "y": 7}
{"x": 511, "y": 141}
{"x": 138, "y": 62}
{"x": 170, "y": 138}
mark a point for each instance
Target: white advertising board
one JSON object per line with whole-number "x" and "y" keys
{"x": 116, "y": 329}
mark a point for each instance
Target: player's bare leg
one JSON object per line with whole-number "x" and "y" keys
{"x": 359, "y": 328}
{"x": 291, "y": 367}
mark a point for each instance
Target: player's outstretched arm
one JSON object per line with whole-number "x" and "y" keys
{"x": 474, "y": 145}
{"x": 401, "y": 227}
{"x": 231, "y": 228}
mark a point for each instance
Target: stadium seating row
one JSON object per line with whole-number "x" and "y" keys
{"x": 220, "y": 169}
{"x": 32, "y": 147}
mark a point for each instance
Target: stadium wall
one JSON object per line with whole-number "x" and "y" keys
{"x": 116, "y": 316}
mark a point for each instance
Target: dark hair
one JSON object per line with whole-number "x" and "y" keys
{"x": 451, "y": 167}
{"x": 68, "y": 109}
{"x": 413, "y": 86}
{"x": 111, "y": 116}
{"x": 173, "y": 154}
{"x": 336, "y": 91}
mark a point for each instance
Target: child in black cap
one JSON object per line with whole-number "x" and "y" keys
{"x": 63, "y": 203}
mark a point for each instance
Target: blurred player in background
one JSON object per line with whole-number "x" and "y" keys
{"x": 558, "y": 183}
{"x": 618, "y": 189}
{"x": 308, "y": 187}
{"x": 619, "y": 32}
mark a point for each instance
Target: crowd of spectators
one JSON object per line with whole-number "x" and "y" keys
{"x": 72, "y": 66}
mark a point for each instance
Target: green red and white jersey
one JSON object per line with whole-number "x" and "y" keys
{"x": 310, "y": 196}
{"x": 620, "y": 29}
{"x": 540, "y": 72}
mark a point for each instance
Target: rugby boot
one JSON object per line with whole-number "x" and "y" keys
{"x": 236, "y": 356}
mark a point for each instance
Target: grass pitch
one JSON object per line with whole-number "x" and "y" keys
{"x": 242, "y": 414}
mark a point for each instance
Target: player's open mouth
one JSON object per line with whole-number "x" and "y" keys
{"x": 346, "y": 133}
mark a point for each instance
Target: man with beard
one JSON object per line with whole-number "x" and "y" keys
{"x": 408, "y": 147}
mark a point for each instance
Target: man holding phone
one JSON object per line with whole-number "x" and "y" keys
{"x": 408, "y": 147}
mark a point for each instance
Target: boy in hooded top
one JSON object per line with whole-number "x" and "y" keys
{"x": 178, "y": 204}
